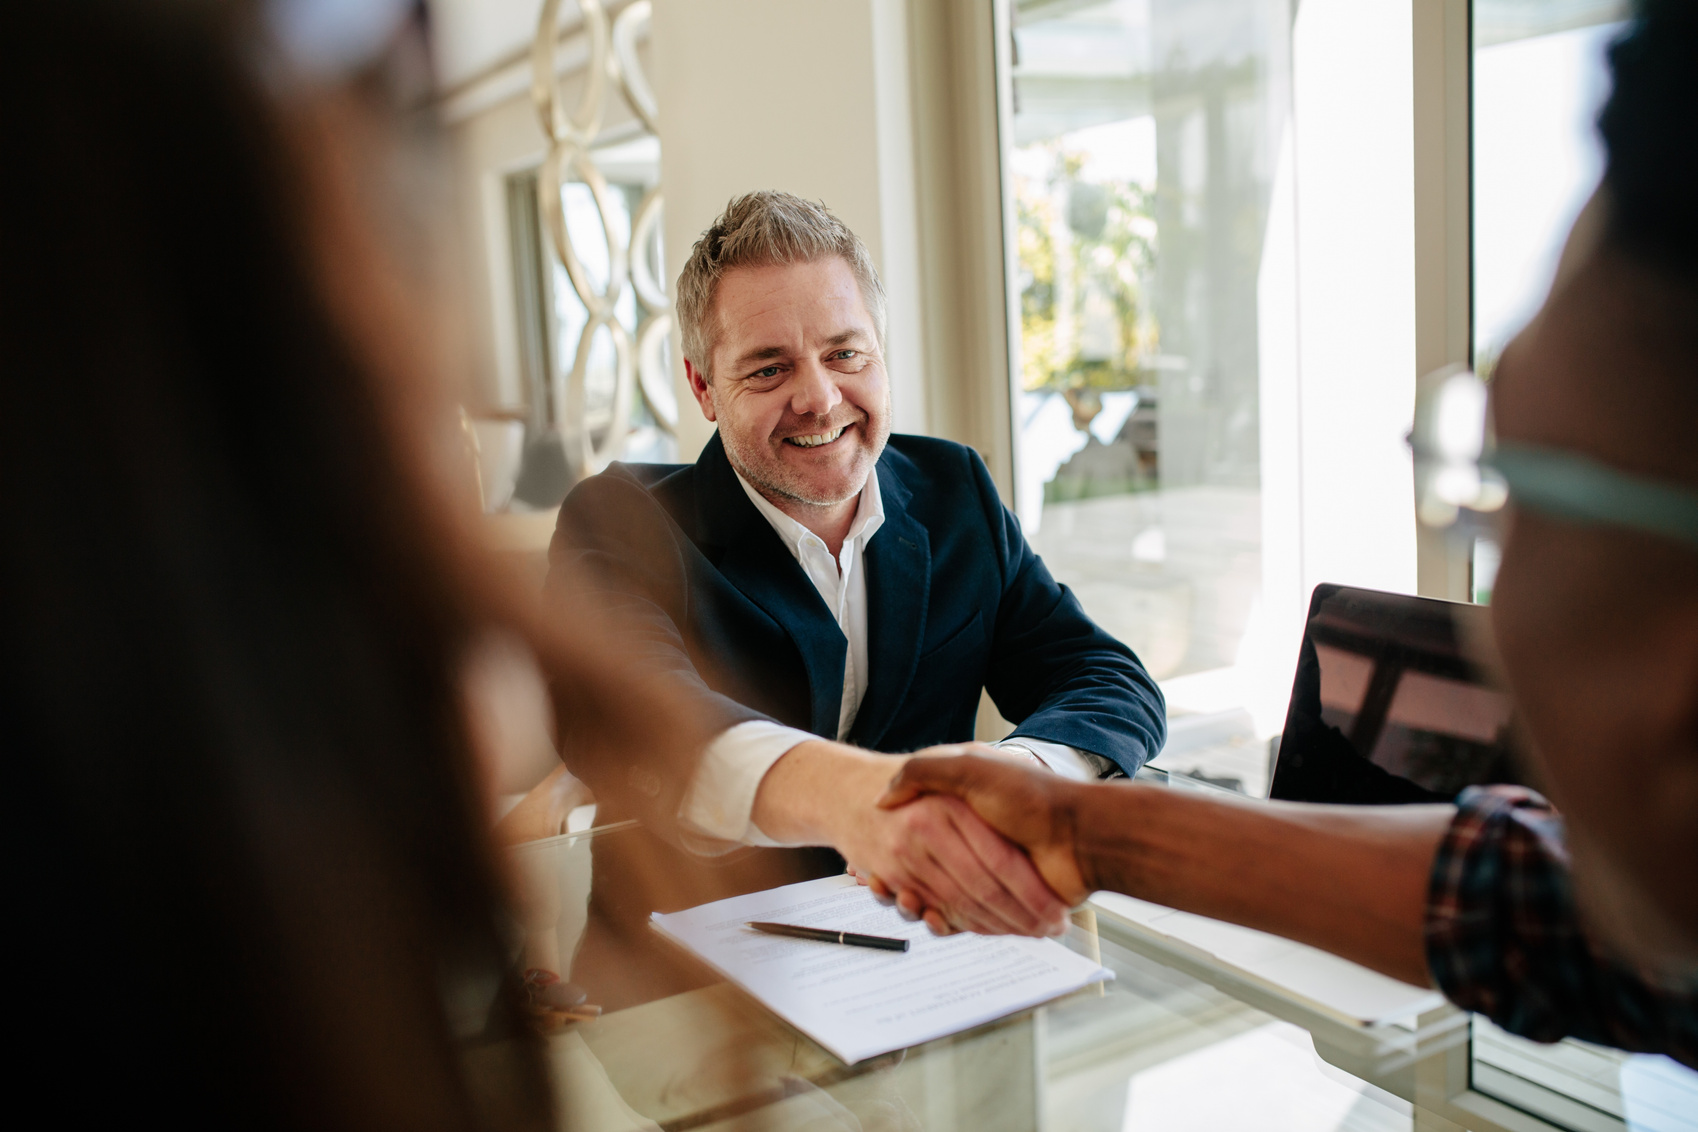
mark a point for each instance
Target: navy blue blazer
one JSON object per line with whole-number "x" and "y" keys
{"x": 957, "y": 602}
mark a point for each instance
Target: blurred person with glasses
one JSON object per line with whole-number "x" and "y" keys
{"x": 1571, "y": 912}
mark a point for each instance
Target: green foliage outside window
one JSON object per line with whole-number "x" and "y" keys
{"x": 1086, "y": 251}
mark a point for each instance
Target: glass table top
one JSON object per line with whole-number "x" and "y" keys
{"x": 1159, "y": 1046}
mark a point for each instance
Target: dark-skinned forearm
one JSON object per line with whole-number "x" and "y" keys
{"x": 1349, "y": 879}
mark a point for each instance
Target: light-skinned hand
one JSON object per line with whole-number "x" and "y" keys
{"x": 940, "y": 862}
{"x": 943, "y": 861}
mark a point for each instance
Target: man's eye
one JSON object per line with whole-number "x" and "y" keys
{"x": 769, "y": 372}
{"x": 844, "y": 355}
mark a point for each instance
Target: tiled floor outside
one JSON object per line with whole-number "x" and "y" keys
{"x": 1175, "y": 574}
{"x": 1172, "y": 573}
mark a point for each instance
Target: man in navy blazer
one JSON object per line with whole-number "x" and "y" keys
{"x": 824, "y": 592}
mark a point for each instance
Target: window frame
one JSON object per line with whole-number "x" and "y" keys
{"x": 1438, "y": 1081}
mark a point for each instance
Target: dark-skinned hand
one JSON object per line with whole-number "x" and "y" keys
{"x": 1032, "y": 808}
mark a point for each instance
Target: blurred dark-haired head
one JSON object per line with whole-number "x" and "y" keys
{"x": 1650, "y": 128}
{"x": 255, "y": 884}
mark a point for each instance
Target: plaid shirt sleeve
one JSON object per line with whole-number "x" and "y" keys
{"x": 1504, "y": 939}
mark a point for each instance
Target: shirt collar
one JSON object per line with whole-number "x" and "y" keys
{"x": 869, "y": 514}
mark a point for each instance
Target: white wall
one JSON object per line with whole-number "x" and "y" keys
{"x": 1338, "y": 314}
{"x": 808, "y": 96}
{"x": 469, "y": 36}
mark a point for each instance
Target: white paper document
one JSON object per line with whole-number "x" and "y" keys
{"x": 1344, "y": 989}
{"x": 858, "y": 1002}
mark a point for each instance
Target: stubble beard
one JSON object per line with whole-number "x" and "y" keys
{"x": 770, "y": 477}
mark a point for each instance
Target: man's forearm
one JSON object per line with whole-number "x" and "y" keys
{"x": 1349, "y": 879}
{"x": 809, "y": 794}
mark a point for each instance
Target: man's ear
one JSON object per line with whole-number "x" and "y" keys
{"x": 699, "y": 386}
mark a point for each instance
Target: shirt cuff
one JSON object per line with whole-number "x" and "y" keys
{"x": 1499, "y": 889}
{"x": 717, "y": 810}
{"x": 1068, "y": 762}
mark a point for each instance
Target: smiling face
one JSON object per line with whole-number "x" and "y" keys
{"x": 798, "y": 385}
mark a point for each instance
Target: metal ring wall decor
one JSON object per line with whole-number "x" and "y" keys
{"x": 652, "y": 372}
{"x": 564, "y": 157}
{"x": 582, "y": 453}
{"x": 583, "y": 126}
{"x": 640, "y": 366}
{"x": 633, "y": 84}
{"x": 645, "y": 228}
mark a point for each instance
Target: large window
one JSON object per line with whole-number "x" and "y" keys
{"x": 1145, "y": 135}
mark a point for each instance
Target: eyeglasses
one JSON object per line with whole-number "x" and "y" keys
{"x": 1464, "y": 476}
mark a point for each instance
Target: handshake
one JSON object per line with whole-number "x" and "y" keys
{"x": 996, "y": 847}
{"x": 972, "y": 841}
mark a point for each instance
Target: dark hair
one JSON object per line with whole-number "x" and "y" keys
{"x": 1650, "y": 128}
{"x": 255, "y": 885}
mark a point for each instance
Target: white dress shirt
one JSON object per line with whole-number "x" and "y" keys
{"x": 721, "y": 797}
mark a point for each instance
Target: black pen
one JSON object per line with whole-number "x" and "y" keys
{"x": 825, "y": 935}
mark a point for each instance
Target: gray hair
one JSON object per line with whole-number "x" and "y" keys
{"x": 758, "y": 230}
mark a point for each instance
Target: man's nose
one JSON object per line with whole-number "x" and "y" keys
{"x": 813, "y": 391}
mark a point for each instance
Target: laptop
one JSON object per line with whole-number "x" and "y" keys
{"x": 1387, "y": 707}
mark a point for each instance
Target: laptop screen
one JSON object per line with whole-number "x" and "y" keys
{"x": 1387, "y": 707}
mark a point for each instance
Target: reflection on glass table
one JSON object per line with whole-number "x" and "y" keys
{"x": 1145, "y": 1051}
{"x": 1187, "y": 1036}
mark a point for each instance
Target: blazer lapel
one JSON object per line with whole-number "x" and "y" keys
{"x": 898, "y": 561}
{"x": 756, "y": 561}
